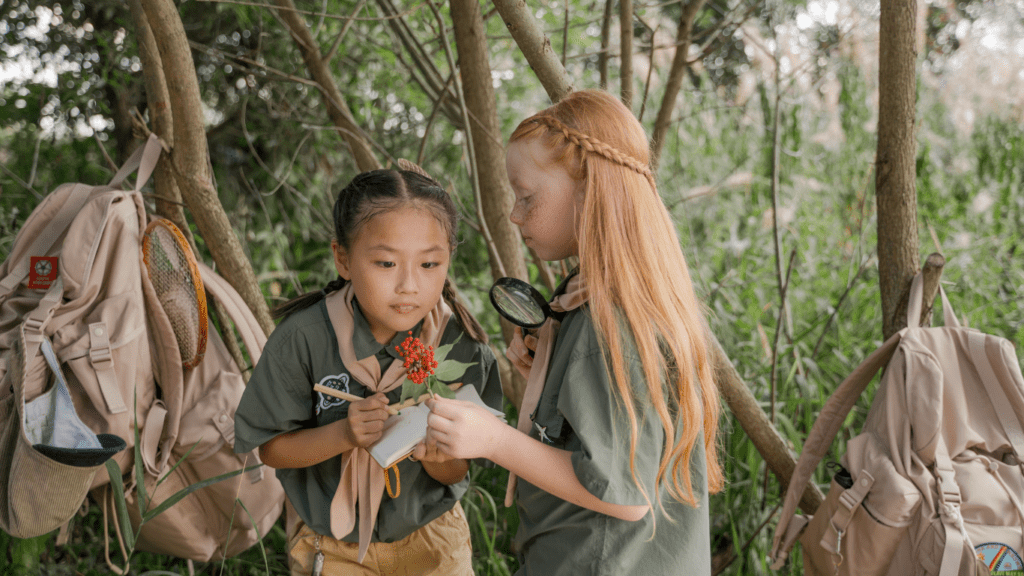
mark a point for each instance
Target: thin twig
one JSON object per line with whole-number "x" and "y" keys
{"x": 103, "y": 149}
{"x": 775, "y": 193}
{"x": 344, "y": 30}
{"x": 749, "y": 540}
{"x": 35, "y": 160}
{"x": 778, "y": 331}
{"x": 650, "y": 70}
{"x": 717, "y": 32}
{"x": 24, "y": 184}
{"x": 320, "y": 24}
{"x": 225, "y": 56}
{"x": 835, "y": 309}
{"x": 308, "y": 13}
{"x": 430, "y": 120}
{"x": 565, "y": 32}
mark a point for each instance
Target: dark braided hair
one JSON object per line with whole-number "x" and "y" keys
{"x": 378, "y": 191}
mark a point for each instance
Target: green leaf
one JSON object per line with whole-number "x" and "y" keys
{"x": 451, "y": 370}
{"x": 412, "y": 390}
{"x": 441, "y": 354}
{"x": 117, "y": 487}
{"x": 441, "y": 389}
{"x": 259, "y": 537}
{"x": 140, "y": 467}
{"x": 178, "y": 463}
{"x": 190, "y": 489}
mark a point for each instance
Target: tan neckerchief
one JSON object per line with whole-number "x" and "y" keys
{"x": 575, "y": 295}
{"x": 362, "y": 479}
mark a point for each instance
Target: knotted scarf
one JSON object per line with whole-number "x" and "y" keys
{"x": 574, "y": 296}
{"x": 362, "y": 479}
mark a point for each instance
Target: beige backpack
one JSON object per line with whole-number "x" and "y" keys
{"x": 74, "y": 284}
{"x": 934, "y": 484}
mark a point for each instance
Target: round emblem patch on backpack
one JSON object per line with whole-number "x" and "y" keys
{"x": 1000, "y": 559}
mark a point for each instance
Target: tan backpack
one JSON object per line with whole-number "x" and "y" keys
{"x": 934, "y": 484}
{"x": 74, "y": 283}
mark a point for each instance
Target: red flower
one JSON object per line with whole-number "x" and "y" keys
{"x": 419, "y": 359}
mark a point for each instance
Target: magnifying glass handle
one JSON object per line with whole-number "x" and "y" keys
{"x": 531, "y": 351}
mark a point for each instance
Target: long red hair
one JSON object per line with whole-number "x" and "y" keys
{"x": 637, "y": 278}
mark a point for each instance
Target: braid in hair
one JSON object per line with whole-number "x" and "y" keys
{"x": 591, "y": 144}
{"x": 462, "y": 314}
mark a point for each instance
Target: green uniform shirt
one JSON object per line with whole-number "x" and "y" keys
{"x": 578, "y": 412}
{"x": 303, "y": 351}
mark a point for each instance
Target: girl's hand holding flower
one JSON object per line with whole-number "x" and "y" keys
{"x": 464, "y": 430}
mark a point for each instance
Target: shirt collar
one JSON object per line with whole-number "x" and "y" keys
{"x": 363, "y": 342}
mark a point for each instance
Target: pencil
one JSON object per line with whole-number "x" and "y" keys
{"x": 346, "y": 396}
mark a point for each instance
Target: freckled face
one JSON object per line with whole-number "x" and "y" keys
{"x": 548, "y": 200}
{"x": 397, "y": 265}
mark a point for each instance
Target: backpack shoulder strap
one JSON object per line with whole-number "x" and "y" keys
{"x": 144, "y": 160}
{"x": 824, "y": 431}
{"x": 248, "y": 327}
{"x": 998, "y": 368}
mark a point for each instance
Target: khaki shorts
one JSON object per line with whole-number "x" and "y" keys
{"x": 441, "y": 548}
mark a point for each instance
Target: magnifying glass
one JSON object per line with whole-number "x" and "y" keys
{"x": 519, "y": 302}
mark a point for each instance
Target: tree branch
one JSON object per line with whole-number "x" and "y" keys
{"x": 190, "y": 157}
{"x": 626, "y": 52}
{"x": 337, "y": 110}
{"x": 675, "y": 79}
{"x": 536, "y": 47}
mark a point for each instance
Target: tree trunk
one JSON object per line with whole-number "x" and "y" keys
{"x": 626, "y": 51}
{"x": 168, "y": 197}
{"x": 530, "y": 38}
{"x": 895, "y": 168}
{"x": 675, "y": 79}
{"x": 495, "y": 191}
{"x": 338, "y": 111}
{"x": 191, "y": 161}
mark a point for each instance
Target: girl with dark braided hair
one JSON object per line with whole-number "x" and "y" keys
{"x": 394, "y": 235}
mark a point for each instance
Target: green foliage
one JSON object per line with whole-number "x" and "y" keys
{"x": 279, "y": 165}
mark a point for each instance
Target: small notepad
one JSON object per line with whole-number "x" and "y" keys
{"x": 403, "y": 432}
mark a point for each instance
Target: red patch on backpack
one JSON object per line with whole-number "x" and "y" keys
{"x": 42, "y": 272}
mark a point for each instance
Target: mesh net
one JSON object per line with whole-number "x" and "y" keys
{"x": 174, "y": 273}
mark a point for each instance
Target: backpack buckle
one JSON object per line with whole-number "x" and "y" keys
{"x": 99, "y": 350}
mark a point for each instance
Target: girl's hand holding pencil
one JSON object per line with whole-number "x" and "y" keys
{"x": 366, "y": 416}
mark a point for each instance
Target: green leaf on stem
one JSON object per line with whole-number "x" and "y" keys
{"x": 442, "y": 351}
{"x": 117, "y": 487}
{"x": 450, "y": 370}
{"x": 192, "y": 488}
{"x": 440, "y": 388}
{"x": 412, "y": 390}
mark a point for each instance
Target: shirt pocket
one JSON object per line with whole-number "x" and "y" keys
{"x": 549, "y": 425}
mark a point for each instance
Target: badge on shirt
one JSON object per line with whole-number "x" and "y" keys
{"x": 339, "y": 383}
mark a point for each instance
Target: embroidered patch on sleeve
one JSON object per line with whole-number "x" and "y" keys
{"x": 339, "y": 383}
